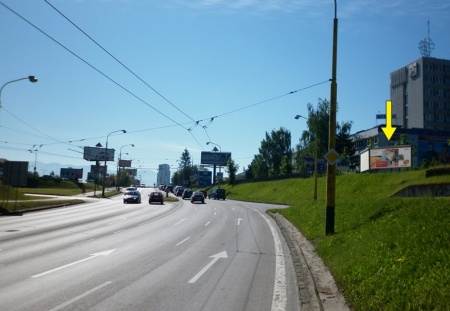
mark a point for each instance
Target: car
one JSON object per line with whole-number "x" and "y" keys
{"x": 132, "y": 196}
{"x": 178, "y": 191}
{"x": 205, "y": 193}
{"x": 186, "y": 194}
{"x": 156, "y": 196}
{"x": 197, "y": 196}
{"x": 130, "y": 189}
{"x": 217, "y": 194}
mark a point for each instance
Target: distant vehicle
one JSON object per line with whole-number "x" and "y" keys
{"x": 178, "y": 191}
{"x": 205, "y": 193}
{"x": 168, "y": 188}
{"x": 155, "y": 197}
{"x": 132, "y": 196}
{"x": 197, "y": 196}
{"x": 186, "y": 194}
{"x": 142, "y": 185}
{"x": 131, "y": 189}
{"x": 217, "y": 194}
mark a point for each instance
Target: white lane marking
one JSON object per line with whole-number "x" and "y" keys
{"x": 61, "y": 306}
{"x": 105, "y": 253}
{"x": 207, "y": 223}
{"x": 82, "y": 242}
{"x": 184, "y": 219}
{"x": 239, "y": 221}
{"x": 215, "y": 214}
{"x": 120, "y": 231}
{"x": 179, "y": 243}
{"x": 215, "y": 258}
{"x": 279, "y": 298}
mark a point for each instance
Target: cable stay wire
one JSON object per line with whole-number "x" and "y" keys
{"x": 117, "y": 60}
{"x": 90, "y": 65}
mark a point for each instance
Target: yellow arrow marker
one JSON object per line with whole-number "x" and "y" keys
{"x": 388, "y": 129}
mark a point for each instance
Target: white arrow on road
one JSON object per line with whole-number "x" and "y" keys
{"x": 215, "y": 257}
{"x": 105, "y": 253}
{"x": 239, "y": 221}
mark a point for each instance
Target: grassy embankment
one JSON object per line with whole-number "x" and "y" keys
{"x": 13, "y": 199}
{"x": 388, "y": 253}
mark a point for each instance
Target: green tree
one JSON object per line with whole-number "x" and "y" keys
{"x": 318, "y": 128}
{"x": 185, "y": 169}
{"x": 273, "y": 148}
{"x": 231, "y": 169}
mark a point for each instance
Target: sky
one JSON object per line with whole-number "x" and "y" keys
{"x": 176, "y": 74}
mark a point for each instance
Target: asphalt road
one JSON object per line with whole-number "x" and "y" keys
{"x": 106, "y": 255}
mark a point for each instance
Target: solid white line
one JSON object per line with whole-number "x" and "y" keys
{"x": 179, "y": 243}
{"x": 279, "y": 298}
{"x": 61, "y": 306}
{"x": 120, "y": 231}
{"x": 207, "y": 223}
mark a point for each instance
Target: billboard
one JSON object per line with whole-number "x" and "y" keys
{"x": 98, "y": 154}
{"x": 217, "y": 158}
{"x": 308, "y": 165}
{"x": 124, "y": 163}
{"x": 389, "y": 157}
{"x": 15, "y": 173}
{"x": 131, "y": 171}
{"x": 71, "y": 173}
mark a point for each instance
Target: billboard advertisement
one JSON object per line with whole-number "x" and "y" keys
{"x": 390, "y": 157}
{"x": 217, "y": 158}
{"x": 308, "y": 165}
{"x": 15, "y": 173}
{"x": 98, "y": 154}
{"x": 124, "y": 163}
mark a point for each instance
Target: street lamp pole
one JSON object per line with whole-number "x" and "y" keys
{"x": 30, "y": 78}
{"x": 331, "y": 168}
{"x": 118, "y": 165}
{"x": 214, "y": 169}
{"x": 106, "y": 151}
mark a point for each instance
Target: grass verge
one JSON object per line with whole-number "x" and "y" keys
{"x": 388, "y": 253}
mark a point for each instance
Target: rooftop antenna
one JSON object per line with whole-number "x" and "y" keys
{"x": 426, "y": 45}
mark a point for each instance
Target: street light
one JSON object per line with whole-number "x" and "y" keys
{"x": 315, "y": 154}
{"x": 118, "y": 165}
{"x": 106, "y": 151}
{"x": 331, "y": 168}
{"x": 214, "y": 168}
{"x": 30, "y": 78}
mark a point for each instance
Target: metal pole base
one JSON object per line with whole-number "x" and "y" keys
{"x": 329, "y": 220}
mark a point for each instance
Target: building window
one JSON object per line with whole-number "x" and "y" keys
{"x": 429, "y": 105}
{"x": 440, "y": 118}
{"x": 429, "y": 117}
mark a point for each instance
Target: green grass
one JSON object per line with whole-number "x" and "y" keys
{"x": 388, "y": 253}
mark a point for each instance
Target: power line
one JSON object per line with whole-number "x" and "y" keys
{"x": 117, "y": 60}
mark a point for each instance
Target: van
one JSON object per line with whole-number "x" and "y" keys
{"x": 217, "y": 194}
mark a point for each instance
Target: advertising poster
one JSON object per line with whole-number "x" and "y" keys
{"x": 390, "y": 157}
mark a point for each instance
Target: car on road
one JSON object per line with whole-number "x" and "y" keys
{"x": 217, "y": 194}
{"x": 156, "y": 197}
{"x": 178, "y": 191}
{"x": 205, "y": 193}
{"x": 186, "y": 194}
{"x": 132, "y": 196}
{"x": 197, "y": 196}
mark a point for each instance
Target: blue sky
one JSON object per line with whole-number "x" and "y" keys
{"x": 216, "y": 70}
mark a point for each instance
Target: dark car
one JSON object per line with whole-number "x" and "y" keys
{"x": 197, "y": 196}
{"x": 186, "y": 194}
{"x": 132, "y": 196}
{"x": 217, "y": 194}
{"x": 178, "y": 191}
{"x": 155, "y": 197}
{"x": 205, "y": 193}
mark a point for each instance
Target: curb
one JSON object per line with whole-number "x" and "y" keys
{"x": 316, "y": 287}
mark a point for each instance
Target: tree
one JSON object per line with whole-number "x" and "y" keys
{"x": 231, "y": 169}
{"x": 318, "y": 127}
{"x": 185, "y": 170}
{"x": 274, "y": 148}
